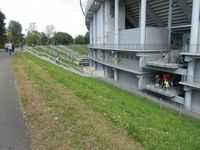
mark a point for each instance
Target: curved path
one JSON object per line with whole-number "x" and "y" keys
{"x": 13, "y": 135}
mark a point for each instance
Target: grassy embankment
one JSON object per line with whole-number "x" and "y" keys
{"x": 51, "y": 52}
{"x": 154, "y": 128}
{"x": 81, "y": 49}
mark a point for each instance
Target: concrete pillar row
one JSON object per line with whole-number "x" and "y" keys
{"x": 143, "y": 23}
{"x": 116, "y": 74}
{"x": 169, "y": 23}
{"x": 194, "y": 26}
{"x": 117, "y": 23}
{"x": 91, "y": 32}
{"x": 94, "y": 29}
{"x": 102, "y": 22}
{"x": 188, "y": 98}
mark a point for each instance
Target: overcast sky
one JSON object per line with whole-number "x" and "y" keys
{"x": 65, "y": 15}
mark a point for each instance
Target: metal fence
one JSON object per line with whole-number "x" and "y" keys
{"x": 131, "y": 46}
{"x": 133, "y": 66}
{"x": 194, "y": 80}
{"x": 191, "y": 49}
{"x": 53, "y": 59}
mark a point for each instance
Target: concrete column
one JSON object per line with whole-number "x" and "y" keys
{"x": 195, "y": 26}
{"x": 91, "y": 32}
{"x": 116, "y": 23}
{"x": 143, "y": 24}
{"x": 106, "y": 72}
{"x": 190, "y": 71}
{"x": 169, "y": 23}
{"x": 116, "y": 74}
{"x": 94, "y": 29}
{"x": 116, "y": 56}
{"x": 95, "y": 65}
{"x": 140, "y": 82}
{"x": 188, "y": 99}
{"x": 102, "y": 23}
{"x": 141, "y": 61}
{"x": 139, "y": 13}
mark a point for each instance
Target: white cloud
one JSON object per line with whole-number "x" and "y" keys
{"x": 65, "y": 15}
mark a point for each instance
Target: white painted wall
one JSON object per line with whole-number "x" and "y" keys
{"x": 129, "y": 36}
{"x": 156, "y": 35}
{"x": 197, "y": 72}
{"x": 99, "y": 55}
{"x": 131, "y": 62}
{"x": 128, "y": 79}
{"x": 122, "y": 16}
{"x": 94, "y": 28}
{"x": 196, "y": 101}
{"x": 199, "y": 34}
{"x": 98, "y": 24}
{"x": 109, "y": 20}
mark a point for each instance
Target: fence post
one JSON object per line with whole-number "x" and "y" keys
{"x": 160, "y": 102}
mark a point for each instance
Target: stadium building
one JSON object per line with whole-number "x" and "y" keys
{"x": 148, "y": 45}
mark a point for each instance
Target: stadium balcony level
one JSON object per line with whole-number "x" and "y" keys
{"x": 130, "y": 47}
{"x": 165, "y": 61}
{"x": 191, "y": 50}
{"x": 169, "y": 92}
{"x": 126, "y": 67}
{"x": 191, "y": 81}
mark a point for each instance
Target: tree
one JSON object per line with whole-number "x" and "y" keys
{"x": 80, "y": 39}
{"x": 14, "y": 31}
{"x": 49, "y": 30}
{"x": 2, "y": 29}
{"x": 43, "y": 39}
{"x": 32, "y": 27}
{"x": 33, "y": 38}
{"x": 62, "y": 38}
{"x": 87, "y": 37}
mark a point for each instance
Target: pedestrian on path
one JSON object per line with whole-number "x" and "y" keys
{"x": 9, "y": 48}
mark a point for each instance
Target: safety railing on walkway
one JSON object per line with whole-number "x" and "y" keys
{"x": 53, "y": 59}
{"x": 126, "y": 66}
{"x": 192, "y": 80}
{"x": 165, "y": 59}
{"x": 193, "y": 49}
{"x": 131, "y": 46}
{"x": 159, "y": 88}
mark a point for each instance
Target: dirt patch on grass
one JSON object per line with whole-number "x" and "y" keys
{"x": 58, "y": 119}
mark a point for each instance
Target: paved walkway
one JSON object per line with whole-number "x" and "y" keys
{"x": 12, "y": 126}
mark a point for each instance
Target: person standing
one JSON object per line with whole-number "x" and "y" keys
{"x": 9, "y": 48}
{"x": 13, "y": 47}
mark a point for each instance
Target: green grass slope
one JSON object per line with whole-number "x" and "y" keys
{"x": 81, "y": 49}
{"x": 154, "y": 127}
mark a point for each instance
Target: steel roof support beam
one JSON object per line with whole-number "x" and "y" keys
{"x": 186, "y": 10}
{"x": 132, "y": 20}
{"x": 154, "y": 17}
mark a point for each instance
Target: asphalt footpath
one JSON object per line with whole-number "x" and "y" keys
{"x": 13, "y": 131}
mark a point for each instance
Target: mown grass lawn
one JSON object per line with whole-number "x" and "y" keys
{"x": 154, "y": 128}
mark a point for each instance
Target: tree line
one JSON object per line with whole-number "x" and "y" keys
{"x": 13, "y": 34}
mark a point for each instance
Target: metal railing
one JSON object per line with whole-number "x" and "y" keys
{"x": 191, "y": 49}
{"x": 170, "y": 60}
{"x": 131, "y": 46}
{"x": 60, "y": 62}
{"x": 171, "y": 91}
{"x": 193, "y": 80}
{"x": 126, "y": 66}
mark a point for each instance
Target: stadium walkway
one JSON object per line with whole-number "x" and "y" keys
{"x": 13, "y": 135}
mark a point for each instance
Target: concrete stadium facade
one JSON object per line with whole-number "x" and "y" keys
{"x": 133, "y": 42}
